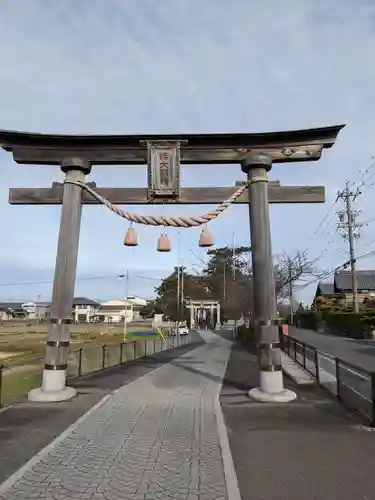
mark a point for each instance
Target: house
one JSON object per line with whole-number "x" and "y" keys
{"x": 113, "y": 311}
{"x": 5, "y": 312}
{"x": 36, "y": 310}
{"x": 340, "y": 290}
{"x": 12, "y": 310}
{"x": 325, "y": 290}
{"x": 85, "y": 310}
{"x": 365, "y": 285}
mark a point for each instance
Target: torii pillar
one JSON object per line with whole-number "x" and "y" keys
{"x": 53, "y": 386}
{"x": 257, "y": 166}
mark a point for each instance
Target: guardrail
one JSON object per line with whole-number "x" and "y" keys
{"x": 18, "y": 377}
{"x": 353, "y": 386}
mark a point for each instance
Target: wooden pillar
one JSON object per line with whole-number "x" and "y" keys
{"x": 218, "y": 318}
{"x": 271, "y": 388}
{"x": 61, "y": 315}
{"x": 192, "y": 323}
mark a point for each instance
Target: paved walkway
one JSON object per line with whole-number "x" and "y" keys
{"x": 160, "y": 436}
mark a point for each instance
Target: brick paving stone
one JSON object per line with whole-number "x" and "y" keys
{"x": 155, "y": 438}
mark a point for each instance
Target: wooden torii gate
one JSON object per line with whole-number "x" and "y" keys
{"x": 77, "y": 154}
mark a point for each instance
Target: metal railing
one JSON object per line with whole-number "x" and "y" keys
{"x": 19, "y": 377}
{"x": 353, "y": 386}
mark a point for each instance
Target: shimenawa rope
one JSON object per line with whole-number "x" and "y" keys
{"x": 163, "y": 220}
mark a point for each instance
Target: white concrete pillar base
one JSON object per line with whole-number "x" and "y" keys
{"x": 272, "y": 382}
{"x": 41, "y": 396}
{"x": 272, "y": 389}
{"x": 285, "y": 396}
{"x": 53, "y": 388}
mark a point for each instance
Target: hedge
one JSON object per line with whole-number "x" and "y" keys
{"x": 342, "y": 323}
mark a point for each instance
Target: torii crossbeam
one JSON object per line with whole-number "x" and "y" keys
{"x": 164, "y": 155}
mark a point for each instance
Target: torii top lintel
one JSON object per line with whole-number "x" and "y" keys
{"x": 50, "y": 149}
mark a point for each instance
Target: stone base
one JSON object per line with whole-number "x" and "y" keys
{"x": 285, "y": 396}
{"x": 41, "y": 396}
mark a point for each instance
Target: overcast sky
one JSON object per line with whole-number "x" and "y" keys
{"x": 175, "y": 66}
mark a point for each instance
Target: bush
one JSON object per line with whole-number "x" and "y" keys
{"x": 309, "y": 319}
{"x": 349, "y": 324}
{"x": 283, "y": 320}
{"x": 342, "y": 323}
{"x": 248, "y": 336}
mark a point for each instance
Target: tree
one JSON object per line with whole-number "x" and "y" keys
{"x": 166, "y": 294}
{"x": 229, "y": 280}
{"x": 150, "y": 310}
{"x": 290, "y": 270}
{"x": 227, "y": 277}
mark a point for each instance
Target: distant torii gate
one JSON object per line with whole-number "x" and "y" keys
{"x": 76, "y": 154}
{"x": 198, "y": 306}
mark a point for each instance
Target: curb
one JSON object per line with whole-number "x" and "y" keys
{"x": 295, "y": 372}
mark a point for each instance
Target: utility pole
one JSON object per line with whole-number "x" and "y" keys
{"x": 233, "y": 257}
{"x": 182, "y": 297}
{"x": 348, "y": 224}
{"x": 178, "y": 276}
{"x": 126, "y": 304}
{"x": 224, "y": 282}
{"x": 178, "y": 291}
{"x": 290, "y": 279}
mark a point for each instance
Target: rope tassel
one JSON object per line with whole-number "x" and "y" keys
{"x": 206, "y": 239}
{"x": 164, "y": 245}
{"x": 131, "y": 238}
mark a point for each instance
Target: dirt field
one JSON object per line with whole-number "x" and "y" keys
{"x": 22, "y": 345}
{"x": 23, "y": 339}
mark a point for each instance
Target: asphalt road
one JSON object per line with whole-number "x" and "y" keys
{"x": 307, "y": 449}
{"x": 360, "y": 353}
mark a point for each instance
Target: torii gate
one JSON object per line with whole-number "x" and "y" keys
{"x": 76, "y": 154}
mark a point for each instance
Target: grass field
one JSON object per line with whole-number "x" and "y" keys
{"x": 22, "y": 349}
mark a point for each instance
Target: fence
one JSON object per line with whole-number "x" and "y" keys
{"x": 352, "y": 385}
{"x": 18, "y": 377}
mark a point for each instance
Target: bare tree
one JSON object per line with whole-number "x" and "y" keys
{"x": 289, "y": 272}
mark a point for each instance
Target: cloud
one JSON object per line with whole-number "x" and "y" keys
{"x": 111, "y": 66}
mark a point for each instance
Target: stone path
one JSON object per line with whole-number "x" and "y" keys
{"x": 156, "y": 438}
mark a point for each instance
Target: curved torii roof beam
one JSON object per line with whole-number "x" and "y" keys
{"x": 286, "y": 146}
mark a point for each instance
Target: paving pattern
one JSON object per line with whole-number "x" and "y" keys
{"x": 156, "y": 438}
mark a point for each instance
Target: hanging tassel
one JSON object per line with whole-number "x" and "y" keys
{"x": 205, "y": 239}
{"x": 131, "y": 239}
{"x": 164, "y": 245}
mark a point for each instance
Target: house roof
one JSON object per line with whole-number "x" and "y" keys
{"x": 5, "y": 306}
{"x": 365, "y": 280}
{"x": 113, "y": 303}
{"x": 325, "y": 288}
{"x": 136, "y": 301}
{"x": 77, "y": 301}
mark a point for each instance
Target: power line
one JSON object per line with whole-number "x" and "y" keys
{"x": 327, "y": 274}
{"x": 319, "y": 227}
{"x": 366, "y": 171}
{"x": 90, "y": 278}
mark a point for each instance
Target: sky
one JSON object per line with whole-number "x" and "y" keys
{"x": 186, "y": 66}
